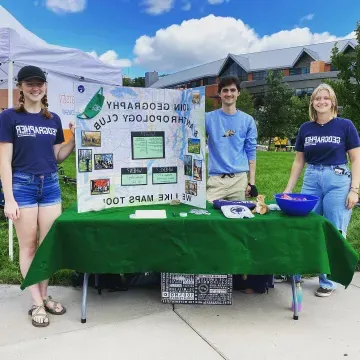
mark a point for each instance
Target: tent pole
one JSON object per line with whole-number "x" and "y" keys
{"x": 10, "y": 105}
{"x": 10, "y": 84}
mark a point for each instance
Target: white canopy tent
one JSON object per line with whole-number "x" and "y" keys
{"x": 19, "y": 47}
{"x": 22, "y": 47}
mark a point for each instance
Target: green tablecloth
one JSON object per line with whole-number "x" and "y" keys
{"x": 110, "y": 242}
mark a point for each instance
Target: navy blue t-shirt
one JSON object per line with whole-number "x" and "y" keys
{"x": 327, "y": 144}
{"x": 33, "y": 138}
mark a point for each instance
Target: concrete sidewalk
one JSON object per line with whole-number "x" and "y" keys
{"x": 135, "y": 325}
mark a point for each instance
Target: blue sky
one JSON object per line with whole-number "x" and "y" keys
{"x": 170, "y": 35}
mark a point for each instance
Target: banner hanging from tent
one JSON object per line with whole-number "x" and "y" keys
{"x": 61, "y": 99}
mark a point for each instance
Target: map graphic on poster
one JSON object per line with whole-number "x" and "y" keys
{"x": 139, "y": 146}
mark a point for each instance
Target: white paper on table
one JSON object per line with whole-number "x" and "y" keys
{"x": 150, "y": 214}
{"x": 274, "y": 207}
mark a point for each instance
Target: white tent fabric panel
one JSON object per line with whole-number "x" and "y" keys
{"x": 4, "y": 44}
{"x": 24, "y": 48}
{"x": 58, "y": 59}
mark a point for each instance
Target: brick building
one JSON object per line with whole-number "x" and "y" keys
{"x": 303, "y": 67}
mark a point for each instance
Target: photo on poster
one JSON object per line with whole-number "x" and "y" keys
{"x": 196, "y": 97}
{"x": 103, "y": 161}
{"x": 197, "y": 170}
{"x": 194, "y": 146}
{"x": 191, "y": 187}
{"x": 100, "y": 186}
{"x": 84, "y": 160}
{"x": 91, "y": 138}
{"x": 188, "y": 165}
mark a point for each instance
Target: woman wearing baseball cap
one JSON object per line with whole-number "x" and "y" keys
{"x": 31, "y": 146}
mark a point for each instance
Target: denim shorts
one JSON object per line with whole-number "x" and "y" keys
{"x": 36, "y": 190}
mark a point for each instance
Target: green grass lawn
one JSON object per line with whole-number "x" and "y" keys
{"x": 273, "y": 170}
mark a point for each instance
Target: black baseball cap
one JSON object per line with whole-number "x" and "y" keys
{"x": 31, "y": 72}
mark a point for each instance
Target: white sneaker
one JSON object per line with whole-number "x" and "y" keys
{"x": 321, "y": 292}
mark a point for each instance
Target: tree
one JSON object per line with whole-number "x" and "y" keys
{"x": 137, "y": 82}
{"x": 210, "y": 104}
{"x": 347, "y": 87}
{"x": 245, "y": 102}
{"x": 299, "y": 107}
{"x": 127, "y": 81}
{"x": 274, "y": 118}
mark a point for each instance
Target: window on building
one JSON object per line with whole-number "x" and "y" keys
{"x": 259, "y": 75}
{"x": 303, "y": 91}
{"x": 278, "y": 72}
{"x": 309, "y": 91}
{"x": 234, "y": 69}
{"x": 209, "y": 81}
{"x": 300, "y": 70}
{"x": 195, "y": 83}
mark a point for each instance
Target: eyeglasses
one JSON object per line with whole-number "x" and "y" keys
{"x": 226, "y": 90}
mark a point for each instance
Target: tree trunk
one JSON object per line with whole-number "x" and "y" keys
{"x": 269, "y": 144}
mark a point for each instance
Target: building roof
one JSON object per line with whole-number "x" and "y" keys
{"x": 270, "y": 59}
{"x": 197, "y": 72}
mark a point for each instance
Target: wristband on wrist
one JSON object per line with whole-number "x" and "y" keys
{"x": 253, "y": 190}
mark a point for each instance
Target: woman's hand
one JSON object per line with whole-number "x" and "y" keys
{"x": 72, "y": 128}
{"x": 352, "y": 199}
{"x": 11, "y": 210}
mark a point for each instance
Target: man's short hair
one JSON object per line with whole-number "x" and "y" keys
{"x": 227, "y": 81}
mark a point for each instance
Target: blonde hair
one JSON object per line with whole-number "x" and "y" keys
{"x": 334, "y": 103}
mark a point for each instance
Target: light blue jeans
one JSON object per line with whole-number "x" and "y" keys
{"x": 332, "y": 188}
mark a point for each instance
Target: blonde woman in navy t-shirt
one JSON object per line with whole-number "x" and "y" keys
{"x": 323, "y": 144}
{"x": 31, "y": 145}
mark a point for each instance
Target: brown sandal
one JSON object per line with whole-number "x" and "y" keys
{"x": 34, "y": 312}
{"x": 52, "y": 310}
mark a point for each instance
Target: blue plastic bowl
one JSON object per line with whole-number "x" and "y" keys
{"x": 297, "y": 207}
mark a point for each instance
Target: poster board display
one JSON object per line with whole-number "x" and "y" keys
{"x": 139, "y": 146}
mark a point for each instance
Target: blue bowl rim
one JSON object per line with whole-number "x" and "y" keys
{"x": 278, "y": 196}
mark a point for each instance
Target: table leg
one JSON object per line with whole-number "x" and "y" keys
{"x": 97, "y": 286}
{"x": 84, "y": 298}
{"x": 294, "y": 294}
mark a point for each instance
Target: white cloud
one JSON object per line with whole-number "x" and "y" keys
{"x": 66, "y": 6}
{"x": 216, "y": 2}
{"x": 157, "y": 7}
{"x": 186, "y": 6}
{"x": 352, "y": 35}
{"x": 198, "y": 41}
{"x": 111, "y": 57}
{"x": 307, "y": 17}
